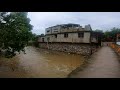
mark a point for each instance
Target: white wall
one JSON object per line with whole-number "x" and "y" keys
{"x": 56, "y": 29}
{"x": 72, "y": 37}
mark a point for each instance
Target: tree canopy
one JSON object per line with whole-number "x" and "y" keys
{"x": 110, "y": 35}
{"x": 15, "y": 31}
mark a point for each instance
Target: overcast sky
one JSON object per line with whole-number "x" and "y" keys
{"x": 97, "y": 20}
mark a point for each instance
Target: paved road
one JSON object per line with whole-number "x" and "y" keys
{"x": 104, "y": 64}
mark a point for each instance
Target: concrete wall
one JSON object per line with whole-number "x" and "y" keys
{"x": 56, "y": 29}
{"x": 53, "y": 30}
{"x": 59, "y": 29}
{"x": 72, "y": 37}
{"x": 69, "y": 30}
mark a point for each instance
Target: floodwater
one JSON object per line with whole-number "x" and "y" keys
{"x": 39, "y": 63}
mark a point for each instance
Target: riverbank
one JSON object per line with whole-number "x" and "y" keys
{"x": 87, "y": 61}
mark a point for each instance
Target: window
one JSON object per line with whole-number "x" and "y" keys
{"x": 80, "y": 35}
{"x": 56, "y": 36}
{"x": 66, "y": 35}
{"x": 48, "y": 31}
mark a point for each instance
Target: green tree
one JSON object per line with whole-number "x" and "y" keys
{"x": 110, "y": 35}
{"x": 114, "y": 32}
{"x": 15, "y": 31}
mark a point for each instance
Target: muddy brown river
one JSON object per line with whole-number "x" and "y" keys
{"x": 39, "y": 63}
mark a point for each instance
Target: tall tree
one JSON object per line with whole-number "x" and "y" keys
{"x": 15, "y": 29}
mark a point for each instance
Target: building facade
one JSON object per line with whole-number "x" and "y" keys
{"x": 69, "y": 33}
{"x": 70, "y": 38}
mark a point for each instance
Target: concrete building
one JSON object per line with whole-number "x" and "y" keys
{"x": 70, "y": 38}
{"x": 69, "y": 33}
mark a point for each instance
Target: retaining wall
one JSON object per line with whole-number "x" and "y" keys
{"x": 83, "y": 49}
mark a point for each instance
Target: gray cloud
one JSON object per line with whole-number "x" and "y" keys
{"x": 97, "y": 20}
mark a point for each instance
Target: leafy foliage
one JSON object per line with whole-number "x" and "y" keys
{"x": 111, "y": 35}
{"x": 15, "y": 31}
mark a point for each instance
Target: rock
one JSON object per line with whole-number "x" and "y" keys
{"x": 69, "y": 48}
